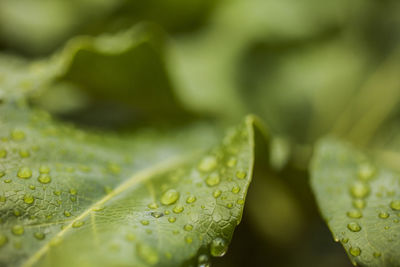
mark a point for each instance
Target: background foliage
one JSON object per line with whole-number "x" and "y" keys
{"x": 307, "y": 68}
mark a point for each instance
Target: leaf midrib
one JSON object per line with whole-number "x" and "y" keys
{"x": 135, "y": 179}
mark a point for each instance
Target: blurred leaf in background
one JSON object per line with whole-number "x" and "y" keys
{"x": 307, "y": 68}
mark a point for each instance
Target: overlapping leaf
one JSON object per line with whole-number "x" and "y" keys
{"x": 360, "y": 201}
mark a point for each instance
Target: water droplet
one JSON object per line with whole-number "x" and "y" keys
{"x": 203, "y": 261}
{"x": 44, "y": 178}
{"x": 359, "y": 189}
{"x": 208, "y": 164}
{"x": 23, "y": 153}
{"x": 32, "y": 187}
{"x": 345, "y": 240}
{"x": 355, "y": 251}
{"x": 147, "y": 253}
{"x": 72, "y": 198}
{"x": 235, "y": 189}
{"x": 366, "y": 171}
{"x": 229, "y": 205}
{"x": 354, "y": 227}
{"x": 241, "y": 174}
{"x": 7, "y": 181}
{"x": 231, "y": 162}
{"x": 157, "y": 214}
{"x": 188, "y": 227}
{"x": 44, "y": 169}
{"x": 18, "y": 230}
{"x": 386, "y": 227}
{"x": 172, "y": 219}
{"x": 39, "y": 235}
{"x": 178, "y": 209}
{"x": 57, "y": 193}
{"x": 145, "y": 222}
{"x": 170, "y": 197}
{"x": 17, "y": 213}
{"x": 73, "y": 191}
{"x": 213, "y": 179}
{"x": 189, "y": 239}
{"x": 218, "y": 247}
{"x": 217, "y": 193}
{"x": 240, "y": 201}
{"x": 383, "y": 215}
{"x": 190, "y": 199}
{"x": 359, "y": 203}
{"x": 3, "y": 240}
{"x": 24, "y": 173}
{"x": 17, "y": 135}
{"x": 166, "y": 212}
{"x": 3, "y": 153}
{"x": 29, "y": 199}
{"x": 98, "y": 208}
{"x": 395, "y": 205}
{"x": 152, "y": 206}
{"x": 67, "y": 213}
{"x": 377, "y": 254}
{"x": 77, "y": 224}
{"x": 356, "y": 214}
{"x": 130, "y": 237}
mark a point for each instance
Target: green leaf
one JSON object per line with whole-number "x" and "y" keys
{"x": 92, "y": 77}
{"x": 360, "y": 201}
{"x": 73, "y": 197}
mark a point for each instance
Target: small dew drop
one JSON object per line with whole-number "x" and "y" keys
{"x": 17, "y": 135}
{"x": 213, "y": 179}
{"x": 170, "y": 197}
{"x": 207, "y": 164}
{"x": 67, "y": 213}
{"x": 231, "y": 162}
{"x": 178, "y": 209}
{"x": 240, "y": 201}
{"x": 359, "y": 203}
{"x": 189, "y": 239}
{"x": 355, "y": 251}
{"x": 145, "y": 222}
{"x": 235, "y": 189}
{"x": 354, "y": 227}
{"x": 383, "y": 215}
{"x": 172, "y": 219}
{"x": 203, "y": 261}
{"x": 29, "y": 199}
{"x": 17, "y": 230}
{"x": 355, "y": 214}
{"x": 23, "y": 153}
{"x": 218, "y": 247}
{"x": 359, "y": 190}
{"x": 377, "y": 254}
{"x": 188, "y": 227}
{"x": 241, "y": 174}
{"x": 345, "y": 240}
{"x": 73, "y": 191}
{"x": 44, "y": 178}
{"x": 3, "y": 240}
{"x": 152, "y": 206}
{"x": 157, "y": 214}
{"x": 190, "y": 199}
{"x": 366, "y": 171}
{"x": 395, "y": 205}
{"x": 39, "y": 235}
{"x": 147, "y": 253}
{"x": 44, "y": 169}
{"x": 229, "y": 205}
{"x": 77, "y": 224}
{"x": 24, "y": 173}
{"x": 3, "y": 153}
{"x": 217, "y": 193}
{"x": 32, "y": 187}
